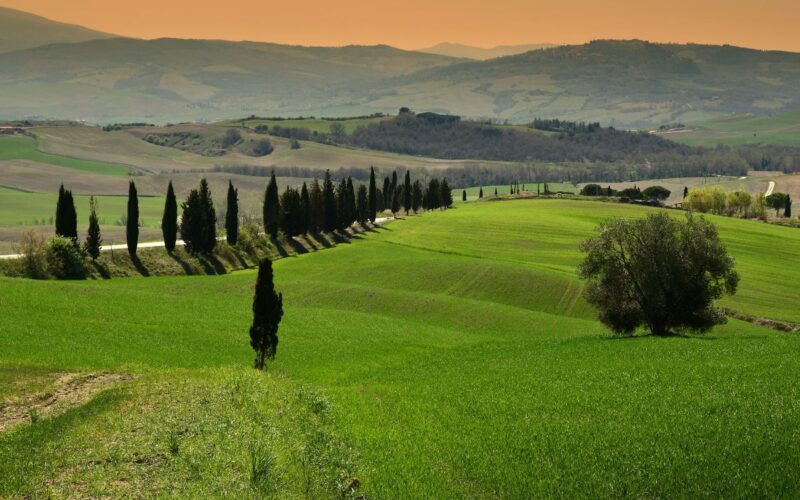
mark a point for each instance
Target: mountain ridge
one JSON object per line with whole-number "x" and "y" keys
{"x": 20, "y": 30}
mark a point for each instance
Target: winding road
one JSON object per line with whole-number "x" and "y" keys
{"x": 770, "y": 188}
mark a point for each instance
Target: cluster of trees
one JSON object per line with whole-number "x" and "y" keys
{"x": 557, "y": 125}
{"x": 716, "y": 200}
{"x": 331, "y": 206}
{"x": 654, "y": 193}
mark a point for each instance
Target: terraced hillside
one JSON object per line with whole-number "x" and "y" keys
{"x": 445, "y": 355}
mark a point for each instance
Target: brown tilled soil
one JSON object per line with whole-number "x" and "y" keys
{"x": 69, "y": 391}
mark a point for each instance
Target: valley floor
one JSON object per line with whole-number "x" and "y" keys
{"x": 449, "y": 355}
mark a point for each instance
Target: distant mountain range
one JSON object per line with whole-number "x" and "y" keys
{"x": 52, "y": 70}
{"x": 480, "y": 53}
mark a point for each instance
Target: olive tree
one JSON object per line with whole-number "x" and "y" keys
{"x": 658, "y": 272}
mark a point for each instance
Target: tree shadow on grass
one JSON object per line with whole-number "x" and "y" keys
{"x": 187, "y": 269}
{"x": 319, "y": 240}
{"x": 211, "y": 264}
{"x": 137, "y": 263}
{"x": 101, "y": 270}
{"x": 279, "y": 247}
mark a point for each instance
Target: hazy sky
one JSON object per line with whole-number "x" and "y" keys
{"x": 772, "y": 24}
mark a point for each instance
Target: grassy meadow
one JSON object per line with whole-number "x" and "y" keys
{"x": 445, "y": 355}
{"x": 781, "y": 129}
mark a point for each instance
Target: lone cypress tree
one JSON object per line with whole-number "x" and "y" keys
{"x": 407, "y": 192}
{"x": 271, "y": 212}
{"x": 373, "y": 196}
{"x": 267, "y": 314}
{"x": 480, "y": 193}
{"x": 232, "y": 215}
{"x": 787, "y": 209}
{"x": 685, "y": 192}
{"x": 132, "y": 227}
{"x": 329, "y": 203}
{"x": 464, "y": 195}
{"x": 93, "y": 239}
{"x": 169, "y": 222}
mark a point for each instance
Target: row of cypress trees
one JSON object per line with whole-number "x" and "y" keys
{"x": 319, "y": 207}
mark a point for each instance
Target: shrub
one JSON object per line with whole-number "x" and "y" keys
{"x": 592, "y": 190}
{"x": 656, "y": 193}
{"x": 66, "y": 260}
{"x": 231, "y": 138}
{"x": 262, "y": 147}
{"x": 33, "y": 249}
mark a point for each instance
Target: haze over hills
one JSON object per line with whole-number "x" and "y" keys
{"x": 20, "y": 30}
{"x": 481, "y": 53}
{"x": 621, "y": 83}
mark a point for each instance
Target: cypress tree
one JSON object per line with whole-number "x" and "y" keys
{"x": 290, "y": 212}
{"x": 72, "y": 217}
{"x": 381, "y": 207}
{"x": 480, "y": 193}
{"x": 271, "y": 212}
{"x": 191, "y": 222}
{"x": 362, "y": 205}
{"x": 209, "y": 219}
{"x": 685, "y": 192}
{"x": 93, "y": 239}
{"x": 447, "y": 194}
{"x": 407, "y": 192}
{"x": 394, "y": 181}
{"x": 511, "y": 188}
{"x": 329, "y": 203}
{"x": 132, "y": 227}
{"x": 232, "y": 215}
{"x": 416, "y": 195}
{"x": 316, "y": 216}
{"x": 373, "y": 195}
{"x": 305, "y": 209}
{"x": 352, "y": 214}
{"x": 60, "y": 213}
{"x": 387, "y": 193}
{"x": 267, "y": 314}
{"x": 169, "y": 222}
{"x": 341, "y": 205}
{"x": 495, "y": 191}
{"x": 464, "y": 195}
{"x": 787, "y": 209}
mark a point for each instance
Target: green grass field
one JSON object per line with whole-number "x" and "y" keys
{"x": 782, "y": 130}
{"x": 446, "y": 355}
{"x": 318, "y": 125}
{"x": 19, "y": 208}
{"x": 24, "y": 148}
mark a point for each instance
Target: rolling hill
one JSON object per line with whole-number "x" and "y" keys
{"x": 482, "y": 53}
{"x": 21, "y": 30}
{"x": 782, "y": 129}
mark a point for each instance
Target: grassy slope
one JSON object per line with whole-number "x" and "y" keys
{"x": 24, "y": 148}
{"x": 461, "y": 361}
{"x": 782, "y": 129}
{"x": 313, "y": 124}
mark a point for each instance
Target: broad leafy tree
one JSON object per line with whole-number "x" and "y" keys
{"x": 662, "y": 273}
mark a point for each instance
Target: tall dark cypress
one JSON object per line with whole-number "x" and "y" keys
{"x": 387, "y": 193}
{"x": 372, "y": 195}
{"x": 416, "y": 195}
{"x": 447, "y": 194}
{"x": 480, "y": 193}
{"x": 132, "y": 227}
{"x": 464, "y": 195}
{"x": 60, "y": 213}
{"x": 208, "y": 216}
{"x": 362, "y": 204}
{"x": 341, "y": 205}
{"x": 305, "y": 209}
{"x": 407, "y": 192}
{"x": 351, "y": 202}
{"x": 267, "y": 314}
{"x": 232, "y": 215}
{"x": 685, "y": 192}
{"x": 169, "y": 222}
{"x": 271, "y": 212}
{"x": 71, "y": 229}
{"x": 93, "y": 239}
{"x": 787, "y": 209}
{"x": 316, "y": 217}
{"x": 329, "y": 203}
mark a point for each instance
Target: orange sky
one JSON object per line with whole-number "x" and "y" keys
{"x": 773, "y": 24}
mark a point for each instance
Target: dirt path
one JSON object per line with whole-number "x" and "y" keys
{"x": 70, "y": 390}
